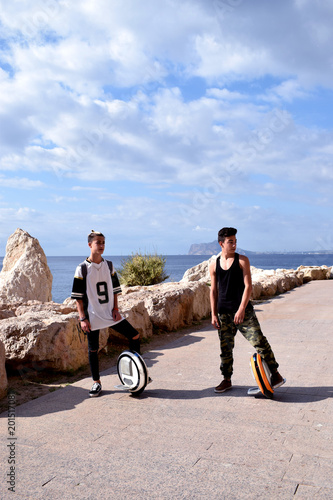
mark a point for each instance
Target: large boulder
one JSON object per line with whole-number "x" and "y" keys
{"x": 45, "y": 337}
{"x": 166, "y": 306}
{"x": 3, "y": 373}
{"x": 288, "y": 279}
{"x": 133, "y": 308}
{"x": 25, "y": 274}
{"x": 200, "y": 272}
{"x": 174, "y": 305}
{"x": 267, "y": 283}
{"x": 314, "y": 272}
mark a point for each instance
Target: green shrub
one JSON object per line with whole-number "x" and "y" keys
{"x": 142, "y": 270}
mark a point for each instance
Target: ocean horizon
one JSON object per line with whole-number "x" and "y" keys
{"x": 63, "y": 267}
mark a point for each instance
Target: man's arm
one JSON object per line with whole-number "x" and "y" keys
{"x": 245, "y": 266}
{"x": 115, "y": 312}
{"x": 213, "y": 294}
{"x": 85, "y": 325}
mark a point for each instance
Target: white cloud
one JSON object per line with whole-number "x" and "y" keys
{"x": 17, "y": 215}
{"x": 20, "y": 183}
{"x": 225, "y": 94}
{"x": 200, "y": 229}
{"x": 287, "y": 91}
{"x": 105, "y": 97}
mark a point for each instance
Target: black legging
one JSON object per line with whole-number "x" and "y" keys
{"x": 124, "y": 328}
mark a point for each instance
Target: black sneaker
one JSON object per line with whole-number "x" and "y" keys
{"x": 277, "y": 380}
{"x": 225, "y": 385}
{"x": 95, "y": 390}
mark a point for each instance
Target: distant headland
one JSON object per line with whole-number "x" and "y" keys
{"x": 214, "y": 248}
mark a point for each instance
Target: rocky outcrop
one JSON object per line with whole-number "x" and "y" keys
{"x": 204, "y": 248}
{"x": 265, "y": 283}
{"x": 25, "y": 274}
{"x": 166, "y": 307}
{"x": 200, "y": 272}
{"x": 175, "y": 305}
{"x": 211, "y": 249}
{"x": 315, "y": 273}
{"x": 45, "y": 336}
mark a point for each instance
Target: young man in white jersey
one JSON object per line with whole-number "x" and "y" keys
{"x": 96, "y": 288}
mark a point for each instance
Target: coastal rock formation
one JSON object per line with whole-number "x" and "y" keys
{"x": 3, "y": 373}
{"x": 315, "y": 273}
{"x": 25, "y": 274}
{"x": 45, "y": 336}
{"x": 174, "y": 305}
{"x": 211, "y": 249}
{"x": 265, "y": 283}
{"x": 166, "y": 306}
{"x": 132, "y": 307}
{"x": 200, "y": 272}
{"x": 204, "y": 248}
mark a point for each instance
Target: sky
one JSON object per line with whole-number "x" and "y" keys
{"x": 159, "y": 122}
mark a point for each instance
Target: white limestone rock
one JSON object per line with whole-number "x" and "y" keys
{"x": 171, "y": 306}
{"x": 25, "y": 274}
{"x": 133, "y": 308}
{"x": 45, "y": 335}
{"x": 200, "y": 272}
{"x": 265, "y": 283}
{"x": 49, "y": 339}
{"x": 314, "y": 273}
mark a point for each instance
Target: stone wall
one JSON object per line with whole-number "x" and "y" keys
{"x": 266, "y": 283}
{"x": 47, "y": 335}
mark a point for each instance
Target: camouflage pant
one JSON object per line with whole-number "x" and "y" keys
{"x": 250, "y": 329}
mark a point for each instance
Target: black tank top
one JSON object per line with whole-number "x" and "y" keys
{"x": 230, "y": 287}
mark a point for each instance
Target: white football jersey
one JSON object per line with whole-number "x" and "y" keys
{"x": 100, "y": 294}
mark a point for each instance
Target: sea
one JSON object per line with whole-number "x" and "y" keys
{"x": 63, "y": 268}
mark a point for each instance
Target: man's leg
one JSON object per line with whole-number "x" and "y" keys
{"x": 125, "y": 328}
{"x": 226, "y": 332}
{"x": 93, "y": 345}
{"x": 250, "y": 329}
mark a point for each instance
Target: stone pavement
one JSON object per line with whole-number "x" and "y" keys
{"x": 180, "y": 440}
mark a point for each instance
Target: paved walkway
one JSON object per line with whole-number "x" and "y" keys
{"x": 180, "y": 440}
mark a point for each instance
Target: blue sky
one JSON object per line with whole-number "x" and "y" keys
{"x": 158, "y": 123}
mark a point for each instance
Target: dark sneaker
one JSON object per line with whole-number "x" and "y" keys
{"x": 95, "y": 390}
{"x": 277, "y": 380}
{"x": 225, "y": 385}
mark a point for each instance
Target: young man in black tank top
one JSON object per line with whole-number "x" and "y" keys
{"x": 231, "y": 288}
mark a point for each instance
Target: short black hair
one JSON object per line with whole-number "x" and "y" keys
{"x": 225, "y": 232}
{"x": 93, "y": 235}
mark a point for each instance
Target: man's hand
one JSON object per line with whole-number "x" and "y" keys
{"x": 215, "y": 322}
{"x": 239, "y": 316}
{"x": 116, "y": 315}
{"x": 85, "y": 326}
